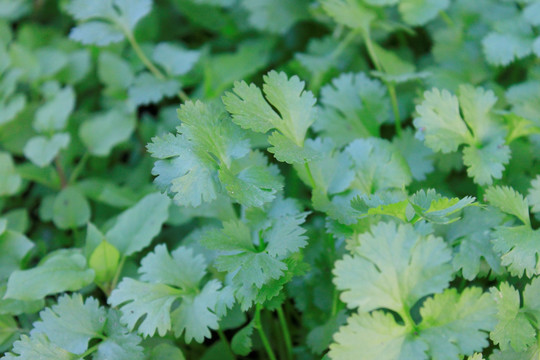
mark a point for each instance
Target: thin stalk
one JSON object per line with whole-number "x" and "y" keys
{"x": 262, "y": 335}
{"x": 114, "y": 282}
{"x": 285, "y": 331}
{"x": 149, "y": 65}
{"x": 89, "y": 351}
{"x": 60, "y": 171}
{"x": 78, "y": 168}
{"x": 226, "y": 342}
{"x": 395, "y": 108}
{"x": 310, "y": 175}
{"x": 391, "y": 88}
{"x": 446, "y": 18}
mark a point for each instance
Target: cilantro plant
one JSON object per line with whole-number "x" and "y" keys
{"x": 269, "y": 179}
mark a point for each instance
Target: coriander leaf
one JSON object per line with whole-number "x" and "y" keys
{"x": 10, "y": 181}
{"x": 54, "y": 114}
{"x": 114, "y": 71}
{"x": 332, "y": 173}
{"x": 454, "y": 324}
{"x": 486, "y": 163}
{"x": 71, "y": 323}
{"x": 435, "y": 208}
{"x": 148, "y": 89}
{"x": 533, "y": 198}
{"x": 353, "y": 106}
{"x": 382, "y": 339}
{"x": 439, "y": 121}
{"x": 241, "y": 342}
{"x": 250, "y": 180}
{"x": 320, "y": 337}
{"x": 474, "y": 234}
{"x": 276, "y": 16}
{"x": 513, "y": 328}
{"x": 175, "y": 59}
{"x": 419, "y": 12}
{"x": 70, "y": 209}
{"x": 168, "y": 278}
{"x": 14, "y": 247}
{"x": 250, "y": 110}
{"x": 137, "y": 226}
{"x": 520, "y": 249}
{"x": 392, "y": 267}
{"x": 119, "y": 343}
{"x": 502, "y": 49}
{"x": 62, "y": 270}
{"x": 377, "y": 165}
{"x": 166, "y": 351}
{"x": 418, "y": 156}
{"x": 350, "y": 13}
{"x": 42, "y": 150}
{"x": 102, "y": 132}
{"x": 96, "y": 33}
{"x": 509, "y": 201}
{"x": 38, "y": 347}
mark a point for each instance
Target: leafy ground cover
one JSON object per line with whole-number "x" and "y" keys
{"x": 269, "y": 179}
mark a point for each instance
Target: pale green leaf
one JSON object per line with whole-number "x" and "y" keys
{"x": 137, "y": 226}
{"x": 70, "y": 209}
{"x": 10, "y": 181}
{"x": 62, "y": 270}
{"x": 41, "y": 150}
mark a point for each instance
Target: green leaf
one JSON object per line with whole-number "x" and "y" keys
{"x": 533, "y": 198}
{"x": 137, "y": 226}
{"x": 54, "y": 114}
{"x": 509, "y": 201}
{"x": 520, "y": 249}
{"x": 166, "y": 279}
{"x": 8, "y": 328}
{"x": 377, "y": 165}
{"x": 474, "y": 234}
{"x": 320, "y": 337}
{"x": 382, "y": 339}
{"x": 42, "y": 150}
{"x": 418, "y": 156}
{"x": 96, "y": 33}
{"x": 250, "y": 109}
{"x": 148, "y": 89}
{"x": 114, "y": 71}
{"x": 18, "y": 307}
{"x": 502, "y": 49}
{"x": 70, "y": 209}
{"x": 486, "y": 163}
{"x": 119, "y": 343}
{"x": 14, "y": 247}
{"x": 241, "y": 342}
{"x": 513, "y": 328}
{"x": 61, "y": 270}
{"x": 166, "y": 351}
{"x": 393, "y": 267}
{"x": 276, "y": 16}
{"x": 38, "y": 347}
{"x": 419, "y": 12}
{"x": 104, "y": 261}
{"x": 439, "y": 121}
{"x": 71, "y": 323}
{"x": 454, "y": 324}
{"x": 103, "y": 132}
{"x": 175, "y": 59}
{"x": 10, "y": 181}
{"x": 353, "y": 106}
{"x": 350, "y": 13}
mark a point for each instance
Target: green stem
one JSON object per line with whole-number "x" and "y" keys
{"x": 226, "y": 342}
{"x": 114, "y": 282}
{"x": 262, "y": 335}
{"x": 89, "y": 351}
{"x": 60, "y": 171}
{"x": 310, "y": 175}
{"x": 286, "y": 333}
{"x": 78, "y": 168}
{"x": 391, "y": 88}
{"x": 149, "y": 65}
{"x": 395, "y": 108}
{"x": 446, "y": 18}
